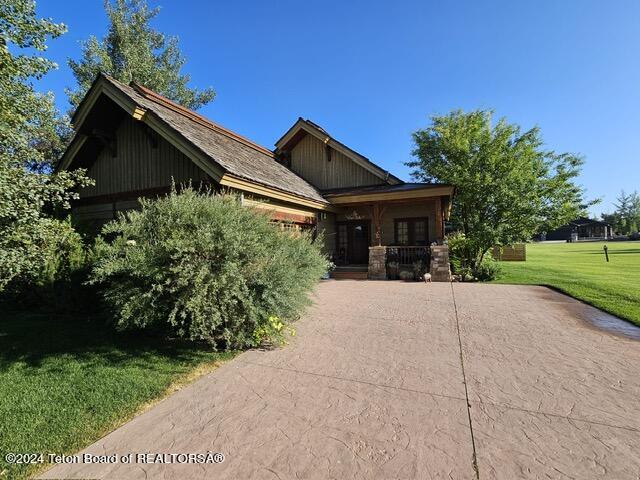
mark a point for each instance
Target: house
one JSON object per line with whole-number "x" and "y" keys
{"x": 582, "y": 228}
{"x": 134, "y": 141}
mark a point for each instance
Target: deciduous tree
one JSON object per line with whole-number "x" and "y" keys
{"x": 508, "y": 186}
{"x": 29, "y": 129}
{"x": 133, "y": 50}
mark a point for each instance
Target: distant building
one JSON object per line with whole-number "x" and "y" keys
{"x": 582, "y": 228}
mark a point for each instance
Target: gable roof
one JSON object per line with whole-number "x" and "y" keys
{"x": 302, "y": 126}
{"x": 219, "y": 151}
{"x": 584, "y": 221}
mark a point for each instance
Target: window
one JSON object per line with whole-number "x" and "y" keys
{"x": 411, "y": 231}
{"x": 402, "y": 232}
{"x": 343, "y": 241}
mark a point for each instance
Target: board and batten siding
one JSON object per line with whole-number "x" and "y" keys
{"x": 138, "y": 165}
{"x": 308, "y": 159}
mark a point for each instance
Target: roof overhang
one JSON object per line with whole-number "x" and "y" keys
{"x": 102, "y": 86}
{"x": 279, "y": 212}
{"x": 353, "y": 198}
{"x": 264, "y": 190}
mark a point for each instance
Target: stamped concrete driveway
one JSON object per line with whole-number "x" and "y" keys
{"x": 399, "y": 380}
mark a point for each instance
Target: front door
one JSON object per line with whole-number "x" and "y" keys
{"x": 353, "y": 242}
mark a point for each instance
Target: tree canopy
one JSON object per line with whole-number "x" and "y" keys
{"x": 30, "y": 127}
{"x": 29, "y": 140}
{"x": 133, "y": 51}
{"x": 508, "y": 187}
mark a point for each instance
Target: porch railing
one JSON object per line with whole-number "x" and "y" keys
{"x": 408, "y": 255}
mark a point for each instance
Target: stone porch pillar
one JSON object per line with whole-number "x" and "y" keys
{"x": 440, "y": 269}
{"x": 378, "y": 263}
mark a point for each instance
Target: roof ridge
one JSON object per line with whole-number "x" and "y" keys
{"x": 191, "y": 115}
{"x": 314, "y": 124}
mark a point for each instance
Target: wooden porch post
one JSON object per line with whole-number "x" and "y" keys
{"x": 439, "y": 220}
{"x": 376, "y": 214}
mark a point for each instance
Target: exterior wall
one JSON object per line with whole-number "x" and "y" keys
{"x": 593, "y": 231}
{"x": 90, "y": 218}
{"x": 325, "y": 221}
{"x": 93, "y": 216}
{"x": 138, "y": 165}
{"x": 279, "y": 210}
{"x": 327, "y": 228}
{"x": 562, "y": 233}
{"x": 308, "y": 159}
{"x": 393, "y": 211}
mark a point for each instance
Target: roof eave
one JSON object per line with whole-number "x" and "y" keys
{"x": 264, "y": 189}
{"x": 370, "y": 197}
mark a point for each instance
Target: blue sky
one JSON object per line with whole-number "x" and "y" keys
{"x": 372, "y": 72}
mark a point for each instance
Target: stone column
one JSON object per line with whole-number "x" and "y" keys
{"x": 378, "y": 263}
{"x": 440, "y": 269}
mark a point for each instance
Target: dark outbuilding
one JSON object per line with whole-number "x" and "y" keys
{"x": 582, "y": 228}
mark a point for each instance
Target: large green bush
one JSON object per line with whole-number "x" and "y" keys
{"x": 201, "y": 266}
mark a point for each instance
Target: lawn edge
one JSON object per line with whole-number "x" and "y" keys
{"x": 179, "y": 383}
{"x": 635, "y": 323}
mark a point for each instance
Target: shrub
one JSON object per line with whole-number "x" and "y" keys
{"x": 465, "y": 263}
{"x": 419, "y": 269}
{"x": 202, "y": 266}
{"x": 55, "y": 277}
{"x": 407, "y": 276}
{"x": 460, "y": 255}
{"x": 488, "y": 269}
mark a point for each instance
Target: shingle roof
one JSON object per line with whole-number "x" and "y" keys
{"x": 237, "y": 155}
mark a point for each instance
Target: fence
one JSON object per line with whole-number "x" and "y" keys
{"x": 407, "y": 255}
{"x": 510, "y": 253}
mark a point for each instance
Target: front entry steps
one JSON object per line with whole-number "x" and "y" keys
{"x": 350, "y": 272}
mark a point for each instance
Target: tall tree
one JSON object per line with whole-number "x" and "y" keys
{"x": 28, "y": 140}
{"x": 133, "y": 51}
{"x": 626, "y": 217}
{"x": 507, "y": 186}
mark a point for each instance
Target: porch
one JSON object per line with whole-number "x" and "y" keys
{"x": 388, "y": 231}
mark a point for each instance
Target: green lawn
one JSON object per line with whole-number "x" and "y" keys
{"x": 66, "y": 381}
{"x": 580, "y": 270}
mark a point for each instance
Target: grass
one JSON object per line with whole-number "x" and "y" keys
{"x": 580, "y": 270}
{"x": 66, "y": 381}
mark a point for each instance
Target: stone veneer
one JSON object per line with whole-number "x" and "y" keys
{"x": 377, "y": 263}
{"x": 440, "y": 269}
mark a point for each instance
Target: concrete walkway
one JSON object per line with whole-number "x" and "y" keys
{"x": 407, "y": 380}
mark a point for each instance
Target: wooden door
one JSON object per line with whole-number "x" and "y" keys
{"x": 359, "y": 242}
{"x": 353, "y": 242}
